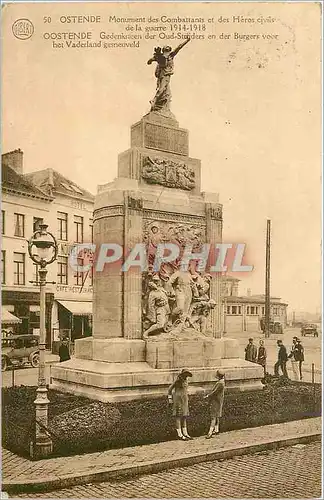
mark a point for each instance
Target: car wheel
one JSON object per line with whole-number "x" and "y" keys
{"x": 4, "y": 363}
{"x": 35, "y": 360}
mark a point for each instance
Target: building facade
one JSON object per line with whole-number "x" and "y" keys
{"x": 24, "y": 206}
{"x": 243, "y": 313}
{"x": 67, "y": 209}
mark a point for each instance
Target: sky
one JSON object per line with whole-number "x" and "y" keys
{"x": 252, "y": 108}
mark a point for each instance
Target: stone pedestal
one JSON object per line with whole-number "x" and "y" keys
{"x": 158, "y": 185}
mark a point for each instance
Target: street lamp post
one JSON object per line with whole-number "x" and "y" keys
{"x": 42, "y": 249}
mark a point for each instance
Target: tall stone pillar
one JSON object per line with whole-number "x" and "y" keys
{"x": 107, "y": 290}
{"x": 214, "y": 236}
{"x": 132, "y": 278}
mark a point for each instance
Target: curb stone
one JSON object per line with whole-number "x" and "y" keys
{"x": 120, "y": 472}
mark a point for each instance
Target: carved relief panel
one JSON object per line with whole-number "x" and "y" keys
{"x": 168, "y": 173}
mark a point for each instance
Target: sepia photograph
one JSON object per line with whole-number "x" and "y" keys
{"x": 161, "y": 250}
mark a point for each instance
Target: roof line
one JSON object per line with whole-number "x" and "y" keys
{"x": 28, "y": 195}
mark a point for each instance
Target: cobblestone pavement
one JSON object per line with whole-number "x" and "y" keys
{"x": 293, "y": 472}
{"x": 18, "y": 469}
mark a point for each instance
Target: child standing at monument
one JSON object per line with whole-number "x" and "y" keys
{"x": 216, "y": 399}
{"x": 178, "y": 396}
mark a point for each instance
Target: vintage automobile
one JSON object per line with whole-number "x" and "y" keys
{"x": 309, "y": 329}
{"x": 18, "y": 350}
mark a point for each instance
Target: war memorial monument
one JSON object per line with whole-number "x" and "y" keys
{"x": 149, "y": 325}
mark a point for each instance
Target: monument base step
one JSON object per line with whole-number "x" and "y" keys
{"x": 113, "y": 382}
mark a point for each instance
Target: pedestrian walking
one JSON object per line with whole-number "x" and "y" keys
{"x": 294, "y": 363}
{"x": 64, "y": 351}
{"x": 297, "y": 357}
{"x": 262, "y": 356}
{"x": 251, "y": 352}
{"x": 216, "y": 400}
{"x": 178, "y": 397}
{"x": 282, "y": 360}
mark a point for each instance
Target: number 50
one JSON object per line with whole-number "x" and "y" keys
{"x": 47, "y": 19}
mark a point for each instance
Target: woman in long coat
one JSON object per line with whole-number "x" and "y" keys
{"x": 178, "y": 396}
{"x": 216, "y": 400}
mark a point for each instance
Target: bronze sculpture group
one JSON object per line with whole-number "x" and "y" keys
{"x": 175, "y": 303}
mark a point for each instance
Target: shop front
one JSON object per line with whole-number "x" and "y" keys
{"x": 8, "y": 322}
{"x": 73, "y": 320}
{"x": 25, "y": 306}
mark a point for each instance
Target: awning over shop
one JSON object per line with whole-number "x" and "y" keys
{"x": 7, "y": 318}
{"x": 77, "y": 308}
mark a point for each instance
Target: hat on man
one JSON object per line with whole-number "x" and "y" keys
{"x": 185, "y": 373}
{"x": 220, "y": 374}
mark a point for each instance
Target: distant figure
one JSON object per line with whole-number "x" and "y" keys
{"x": 178, "y": 397}
{"x": 216, "y": 399}
{"x": 282, "y": 360}
{"x": 262, "y": 356}
{"x": 64, "y": 351}
{"x": 297, "y": 357}
{"x": 251, "y": 352}
{"x": 291, "y": 356}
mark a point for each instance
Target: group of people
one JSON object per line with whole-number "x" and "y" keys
{"x": 178, "y": 398}
{"x": 296, "y": 355}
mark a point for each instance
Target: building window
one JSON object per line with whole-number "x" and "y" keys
{"x": 252, "y": 310}
{"x": 234, "y": 309}
{"x": 263, "y": 310}
{"x": 78, "y": 275}
{"x": 62, "y": 223}
{"x": 256, "y": 310}
{"x": 35, "y": 274}
{"x": 19, "y": 268}
{"x": 3, "y": 267}
{"x": 247, "y": 309}
{"x": 3, "y": 220}
{"x": 62, "y": 270}
{"x": 36, "y": 223}
{"x": 91, "y": 276}
{"x": 78, "y": 224}
{"x": 19, "y": 225}
{"x": 239, "y": 309}
{"x": 275, "y": 311}
{"x": 91, "y": 229}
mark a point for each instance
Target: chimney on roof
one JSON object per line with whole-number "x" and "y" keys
{"x": 248, "y": 292}
{"x": 14, "y": 159}
{"x": 50, "y": 177}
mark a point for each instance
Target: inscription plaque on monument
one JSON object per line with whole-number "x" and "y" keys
{"x": 166, "y": 139}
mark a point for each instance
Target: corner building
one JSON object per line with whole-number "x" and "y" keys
{"x": 68, "y": 210}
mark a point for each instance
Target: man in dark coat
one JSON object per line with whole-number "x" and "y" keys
{"x": 64, "y": 351}
{"x": 282, "y": 360}
{"x": 297, "y": 355}
{"x": 251, "y": 352}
